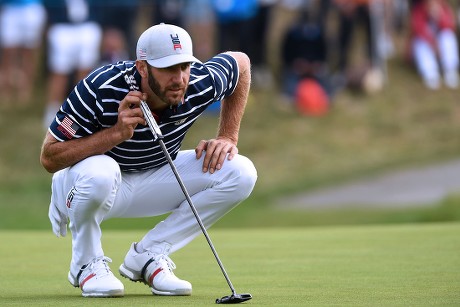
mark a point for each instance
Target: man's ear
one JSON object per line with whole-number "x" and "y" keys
{"x": 142, "y": 68}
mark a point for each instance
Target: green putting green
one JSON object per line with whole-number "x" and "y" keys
{"x": 388, "y": 265}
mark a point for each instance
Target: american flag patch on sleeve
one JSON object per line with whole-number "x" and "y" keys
{"x": 68, "y": 127}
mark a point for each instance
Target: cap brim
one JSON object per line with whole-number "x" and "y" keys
{"x": 172, "y": 60}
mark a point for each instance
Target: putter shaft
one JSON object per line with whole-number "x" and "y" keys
{"x": 158, "y": 136}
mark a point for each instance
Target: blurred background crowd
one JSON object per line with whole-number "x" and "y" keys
{"x": 308, "y": 49}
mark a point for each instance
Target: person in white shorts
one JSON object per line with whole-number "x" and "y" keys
{"x": 74, "y": 39}
{"x": 434, "y": 43}
{"x": 106, "y": 163}
{"x": 22, "y": 24}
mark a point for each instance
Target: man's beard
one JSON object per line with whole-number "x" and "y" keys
{"x": 161, "y": 93}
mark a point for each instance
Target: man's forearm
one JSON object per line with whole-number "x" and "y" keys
{"x": 57, "y": 155}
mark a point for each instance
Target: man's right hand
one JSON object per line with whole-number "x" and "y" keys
{"x": 130, "y": 115}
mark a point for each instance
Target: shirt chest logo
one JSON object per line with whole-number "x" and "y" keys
{"x": 180, "y": 122}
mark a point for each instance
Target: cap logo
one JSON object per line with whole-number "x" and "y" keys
{"x": 176, "y": 42}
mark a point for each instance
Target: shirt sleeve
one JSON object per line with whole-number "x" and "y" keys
{"x": 77, "y": 117}
{"x": 224, "y": 72}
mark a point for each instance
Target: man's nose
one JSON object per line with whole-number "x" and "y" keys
{"x": 177, "y": 74}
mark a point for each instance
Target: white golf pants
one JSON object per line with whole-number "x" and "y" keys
{"x": 95, "y": 190}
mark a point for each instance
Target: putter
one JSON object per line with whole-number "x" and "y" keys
{"x": 234, "y": 298}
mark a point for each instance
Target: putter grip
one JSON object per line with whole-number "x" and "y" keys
{"x": 151, "y": 122}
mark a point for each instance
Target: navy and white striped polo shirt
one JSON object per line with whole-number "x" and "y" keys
{"x": 93, "y": 105}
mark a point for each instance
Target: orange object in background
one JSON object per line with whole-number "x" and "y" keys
{"x": 311, "y": 99}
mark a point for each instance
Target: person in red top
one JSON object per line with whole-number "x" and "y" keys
{"x": 434, "y": 44}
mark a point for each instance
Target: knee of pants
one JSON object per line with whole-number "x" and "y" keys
{"x": 97, "y": 179}
{"x": 246, "y": 177}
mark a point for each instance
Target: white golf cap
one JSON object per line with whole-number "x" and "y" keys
{"x": 165, "y": 45}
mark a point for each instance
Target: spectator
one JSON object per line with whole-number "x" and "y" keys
{"x": 199, "y": 19}
{"x": 304, "y": 56}
{"x": 117, "y": 19}
{"x": 168, "y": 11}
{"x": 351, "y": 13}
{"x": 235, "y": 25}
{"x": 434, "y": 44}
{"x": 262, "y": 75}
{"x": 368, "y": 74}
{"x": 74, "y": 39}
{"x": 21, "y": 28}
{"x": 303, "y": 53}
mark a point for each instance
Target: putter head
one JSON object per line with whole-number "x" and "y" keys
{"x": 234, "y": 298}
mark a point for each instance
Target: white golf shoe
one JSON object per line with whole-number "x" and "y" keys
{"x": 97, "y": 280}
{"x": 154, "y": 270}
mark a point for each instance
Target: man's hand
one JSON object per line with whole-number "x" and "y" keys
{"x": 130, "y": 114}
{"x": 215, "y": 152}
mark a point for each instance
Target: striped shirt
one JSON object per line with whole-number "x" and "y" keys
{"x": 93, "y": 105}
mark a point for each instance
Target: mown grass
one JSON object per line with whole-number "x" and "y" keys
{"x": 404, "y": 125}
{"x": 390, "y": 265}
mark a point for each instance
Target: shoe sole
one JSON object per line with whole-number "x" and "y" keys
{"x": 109, "y": 293}
{"x": 127, "y": 273}
{"x": 112, "y": 293}
{"x": 178, "y": 292}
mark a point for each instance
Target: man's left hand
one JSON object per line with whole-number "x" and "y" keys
{"x": 215, "y": 152}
